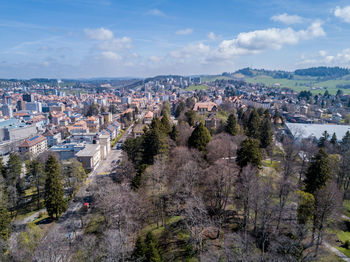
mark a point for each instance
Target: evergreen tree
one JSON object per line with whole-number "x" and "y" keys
{"x": 140, "y": 249}
{"x": 334, "y": 139}
{"x": 152, "y": 249}
{"x": 199, "y": 138}
{"x": 265, "y": 133}
{"x": 166, "y": 126}
{"x": 13, "y": 181}
{"x": 318, "y": 172}
{"x": 345, "y": 143}
{"x": 231, "y": 125}
{"x": 190, "y": 117}
{"x": 152, "y": 253}
{"x": 253, "y": 126}
{"x": 180, "y": 107}
{"x": 154, "y": 142}
{"x": 36, "y": 173}
{"x": 174, "y": 133}
{"x": 323, "y": 139}
{"x": 249, "y": 153}
{"x": 54, "y": 193}
{"x": 5, "y": 219}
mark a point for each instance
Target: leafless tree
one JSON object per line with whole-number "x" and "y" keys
{"x": 196, "y": 220}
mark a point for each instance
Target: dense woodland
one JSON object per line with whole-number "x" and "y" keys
{"x": 243, "y": 191}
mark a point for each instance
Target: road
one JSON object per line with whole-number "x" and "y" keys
{"x": 69, "y": 226}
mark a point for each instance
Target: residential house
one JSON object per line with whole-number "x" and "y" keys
{"x": 34, "y": 145}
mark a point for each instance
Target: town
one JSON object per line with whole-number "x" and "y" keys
{"x": 114, "y": 129}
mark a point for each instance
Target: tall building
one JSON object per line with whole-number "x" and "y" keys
{"x": 28, "y": 97}
{"x": 7, "y": 110}
{"x": 21, "y": 105}
{"x": 34, "y": 106}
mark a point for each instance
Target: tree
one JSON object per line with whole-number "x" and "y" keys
{"x": 166, "y": 125}
{"x": 174, "y": 133}
{"x": 334, "y": 139}
{"x": 74, "y": 175}
{"x": 139, "y": 252}
{"x": 305, "y": 209}
{"x": 265, "y": 133}
{"x": 249, "y": 152}
{"x": 190, "y": 117}
{"x": 5, "y": 219}
{"x": 323, "y": 139}
{"x": 154, "y": 143}
{"x": 54, "y": 193}
{"x": 179, "y": 109}
{"x": 113, "y": 109}
{"x": 318, "y": 172}
{"x": 253, "y": 125}
{"x": 200, "y": 137}
{"x": 13, "y": 180}
{"x": 231, "y": 125}
{"x": 38, "y": 179}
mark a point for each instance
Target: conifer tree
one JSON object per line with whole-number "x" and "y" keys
{"x": 199, "y": 138}
{"x": 166, "y": 126}
{"x": 231, "y": 125}
{"x": 54, "y": 193}
{"x": 35, "y": 170}
{"x": 318, "y": 172}
{"x": 5, "y": 219}
{"x": 140, "y": 249}
{"x": 249, "y": 153}
{"x": 265, "y": 133}
{"x": 174, "y": 133}
{"x": 253, "y": 126}
{"x": 334, "y": 139}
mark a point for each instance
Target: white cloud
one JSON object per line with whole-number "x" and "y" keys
{"x": 287, "y": 19}
{"x": 111, "y": 55}
{"x": 99, "y": 34}
{"x": 155, "y": 59}
{"x": 260, "y": 40}
{"x": 343, "y": 13}
{"x": 212, "y": 36}
{"x": 155, "y": 12}
{"x": 191, "y": 50}
{"x": 116, "y": 44}
{"x": 186, "y": 31}
{"x": 322, "y": 53}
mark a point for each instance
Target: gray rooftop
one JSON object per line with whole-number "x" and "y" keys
{"x": 315, "y": 130}
{"x": 89, "y": 150}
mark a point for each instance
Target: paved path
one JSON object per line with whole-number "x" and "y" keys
{"x": 69, "y": 226}
{"x": 336, "y": 251}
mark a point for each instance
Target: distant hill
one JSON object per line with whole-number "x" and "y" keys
{"x": 323, "y": 71}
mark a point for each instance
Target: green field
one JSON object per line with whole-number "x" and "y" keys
{"x": 197, "y": 87}
{"x": 302, "y": 83}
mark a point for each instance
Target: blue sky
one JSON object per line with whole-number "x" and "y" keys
{"x": 109, "y": 38}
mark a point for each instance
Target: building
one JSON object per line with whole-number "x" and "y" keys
{"x": 28, "y": 98}
{"x": 138, "y": 130}
{"x": 67, "y": 151}
{"x": 93, "y": 123}
{"x": 7, "y": 110}
{"x": 34, "y": 106}
{"x": 147, "y": 119}
{"x": 34, "y": 145}
{"x": 205, "y": 107}
{"x": 52, "y": 138}
{"x": 105, "y": 145}
{"x": 90, "y": 156}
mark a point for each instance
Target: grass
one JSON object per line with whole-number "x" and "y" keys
{"x": 115, "y": 140}
{"x": 30, "y": 191}
{"x": 157, "y": 231}
{"x": 299, "y": 83}
{"x": 197, "y": 87}
{"x": 346, "y": 206}
{"x": 345, "y": 251}
{"x": 272, "y": 164}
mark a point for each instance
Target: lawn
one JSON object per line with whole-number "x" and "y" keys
{"x": 197, "y": 87}
{"x": 298, "y": 84}
{"x": 346, "y": 206}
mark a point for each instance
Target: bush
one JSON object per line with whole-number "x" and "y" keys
{"x": 346, "y": 244}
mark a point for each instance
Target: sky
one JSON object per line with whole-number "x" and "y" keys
{"x": 139, "y": 38}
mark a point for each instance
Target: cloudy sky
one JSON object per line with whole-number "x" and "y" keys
{"x": 138, "y": 38}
